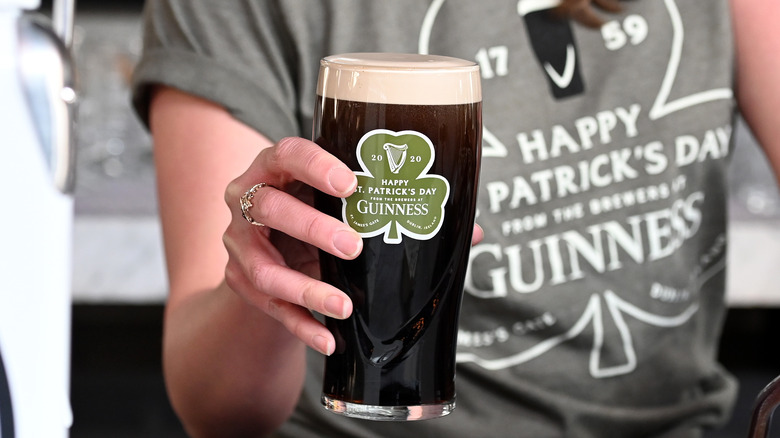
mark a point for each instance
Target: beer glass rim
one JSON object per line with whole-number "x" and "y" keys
{"x": 399, "y": 78}
{"x": 399, "y": 62}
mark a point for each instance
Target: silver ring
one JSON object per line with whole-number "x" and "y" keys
{"x": 246, "y": 203}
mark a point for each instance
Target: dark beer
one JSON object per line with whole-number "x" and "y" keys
{"x": 417, "y": 167}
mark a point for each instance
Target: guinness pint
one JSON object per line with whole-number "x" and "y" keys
{"x": 410, "y": 127}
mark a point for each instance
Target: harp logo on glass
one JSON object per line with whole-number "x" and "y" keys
{"x": 396, "y": 156}
{"x": 396, "y": 196}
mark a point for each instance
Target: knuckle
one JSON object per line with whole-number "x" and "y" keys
{"x": 273, "y": 162}
{"x": 296, "y": 327}
{"x": 263, "y": 275}
{"x": 229, "y": 238}
{"x": 236, "y": 188}
{"x": 233, "y": 246}
{"x": 307, "y": 295}
{"x": 232, "y": 192}
{"x": 289, "y": 315}
{"x": 311, "y": 157}
{"x": 316, "y": 227}
{"x": 287, "y": 148}
{"x": 265, "y": 204}
{"x": 273, "y": 306}
{"x": 227, "y": 241}
{"x": 232, "y": 276}
{"x": 269, "y": 155}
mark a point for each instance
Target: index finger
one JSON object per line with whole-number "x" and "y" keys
{"x": 295, "y": 158}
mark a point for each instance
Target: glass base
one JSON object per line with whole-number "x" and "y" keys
{"x": 387, "y": 413}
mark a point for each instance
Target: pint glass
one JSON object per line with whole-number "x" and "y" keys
{"x": 410, "y": 127}
{"x": 766, "y": 404}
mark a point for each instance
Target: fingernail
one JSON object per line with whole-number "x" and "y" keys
{"x": 323, "y": 345}
{"x": 336, "y": 306}
{"x": 342, "y": 180}
{"x": 348, "y": 243}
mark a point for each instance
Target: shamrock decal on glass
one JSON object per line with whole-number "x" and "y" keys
{"x": 395, "y": 195}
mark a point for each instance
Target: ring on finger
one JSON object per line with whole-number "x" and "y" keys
{"x": 246, "y": 203}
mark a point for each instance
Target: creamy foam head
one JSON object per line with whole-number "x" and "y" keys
{"x": 399, "y": 78}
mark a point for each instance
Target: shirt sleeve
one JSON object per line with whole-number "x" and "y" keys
{"x": 238, "y": 54}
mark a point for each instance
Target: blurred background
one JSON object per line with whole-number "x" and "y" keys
{"x": 119, "y": 282}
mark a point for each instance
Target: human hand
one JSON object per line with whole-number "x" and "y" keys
{"x": 275, "y": 267}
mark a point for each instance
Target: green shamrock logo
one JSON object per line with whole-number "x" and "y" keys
{"x": 395, "y": 195}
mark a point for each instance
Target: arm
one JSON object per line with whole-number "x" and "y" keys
{"x": 234, "y": 349}
{"x": 758, "y": 69}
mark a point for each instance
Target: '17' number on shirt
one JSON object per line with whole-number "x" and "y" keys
{"x": 493, "y": 61}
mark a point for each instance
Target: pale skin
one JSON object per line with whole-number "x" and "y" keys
{"x": 238, "y": 319}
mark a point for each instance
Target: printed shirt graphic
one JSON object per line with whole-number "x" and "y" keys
{"x": 604, "y": 213}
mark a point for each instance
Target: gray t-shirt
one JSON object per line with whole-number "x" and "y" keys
{"x": 594, "y": 304}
